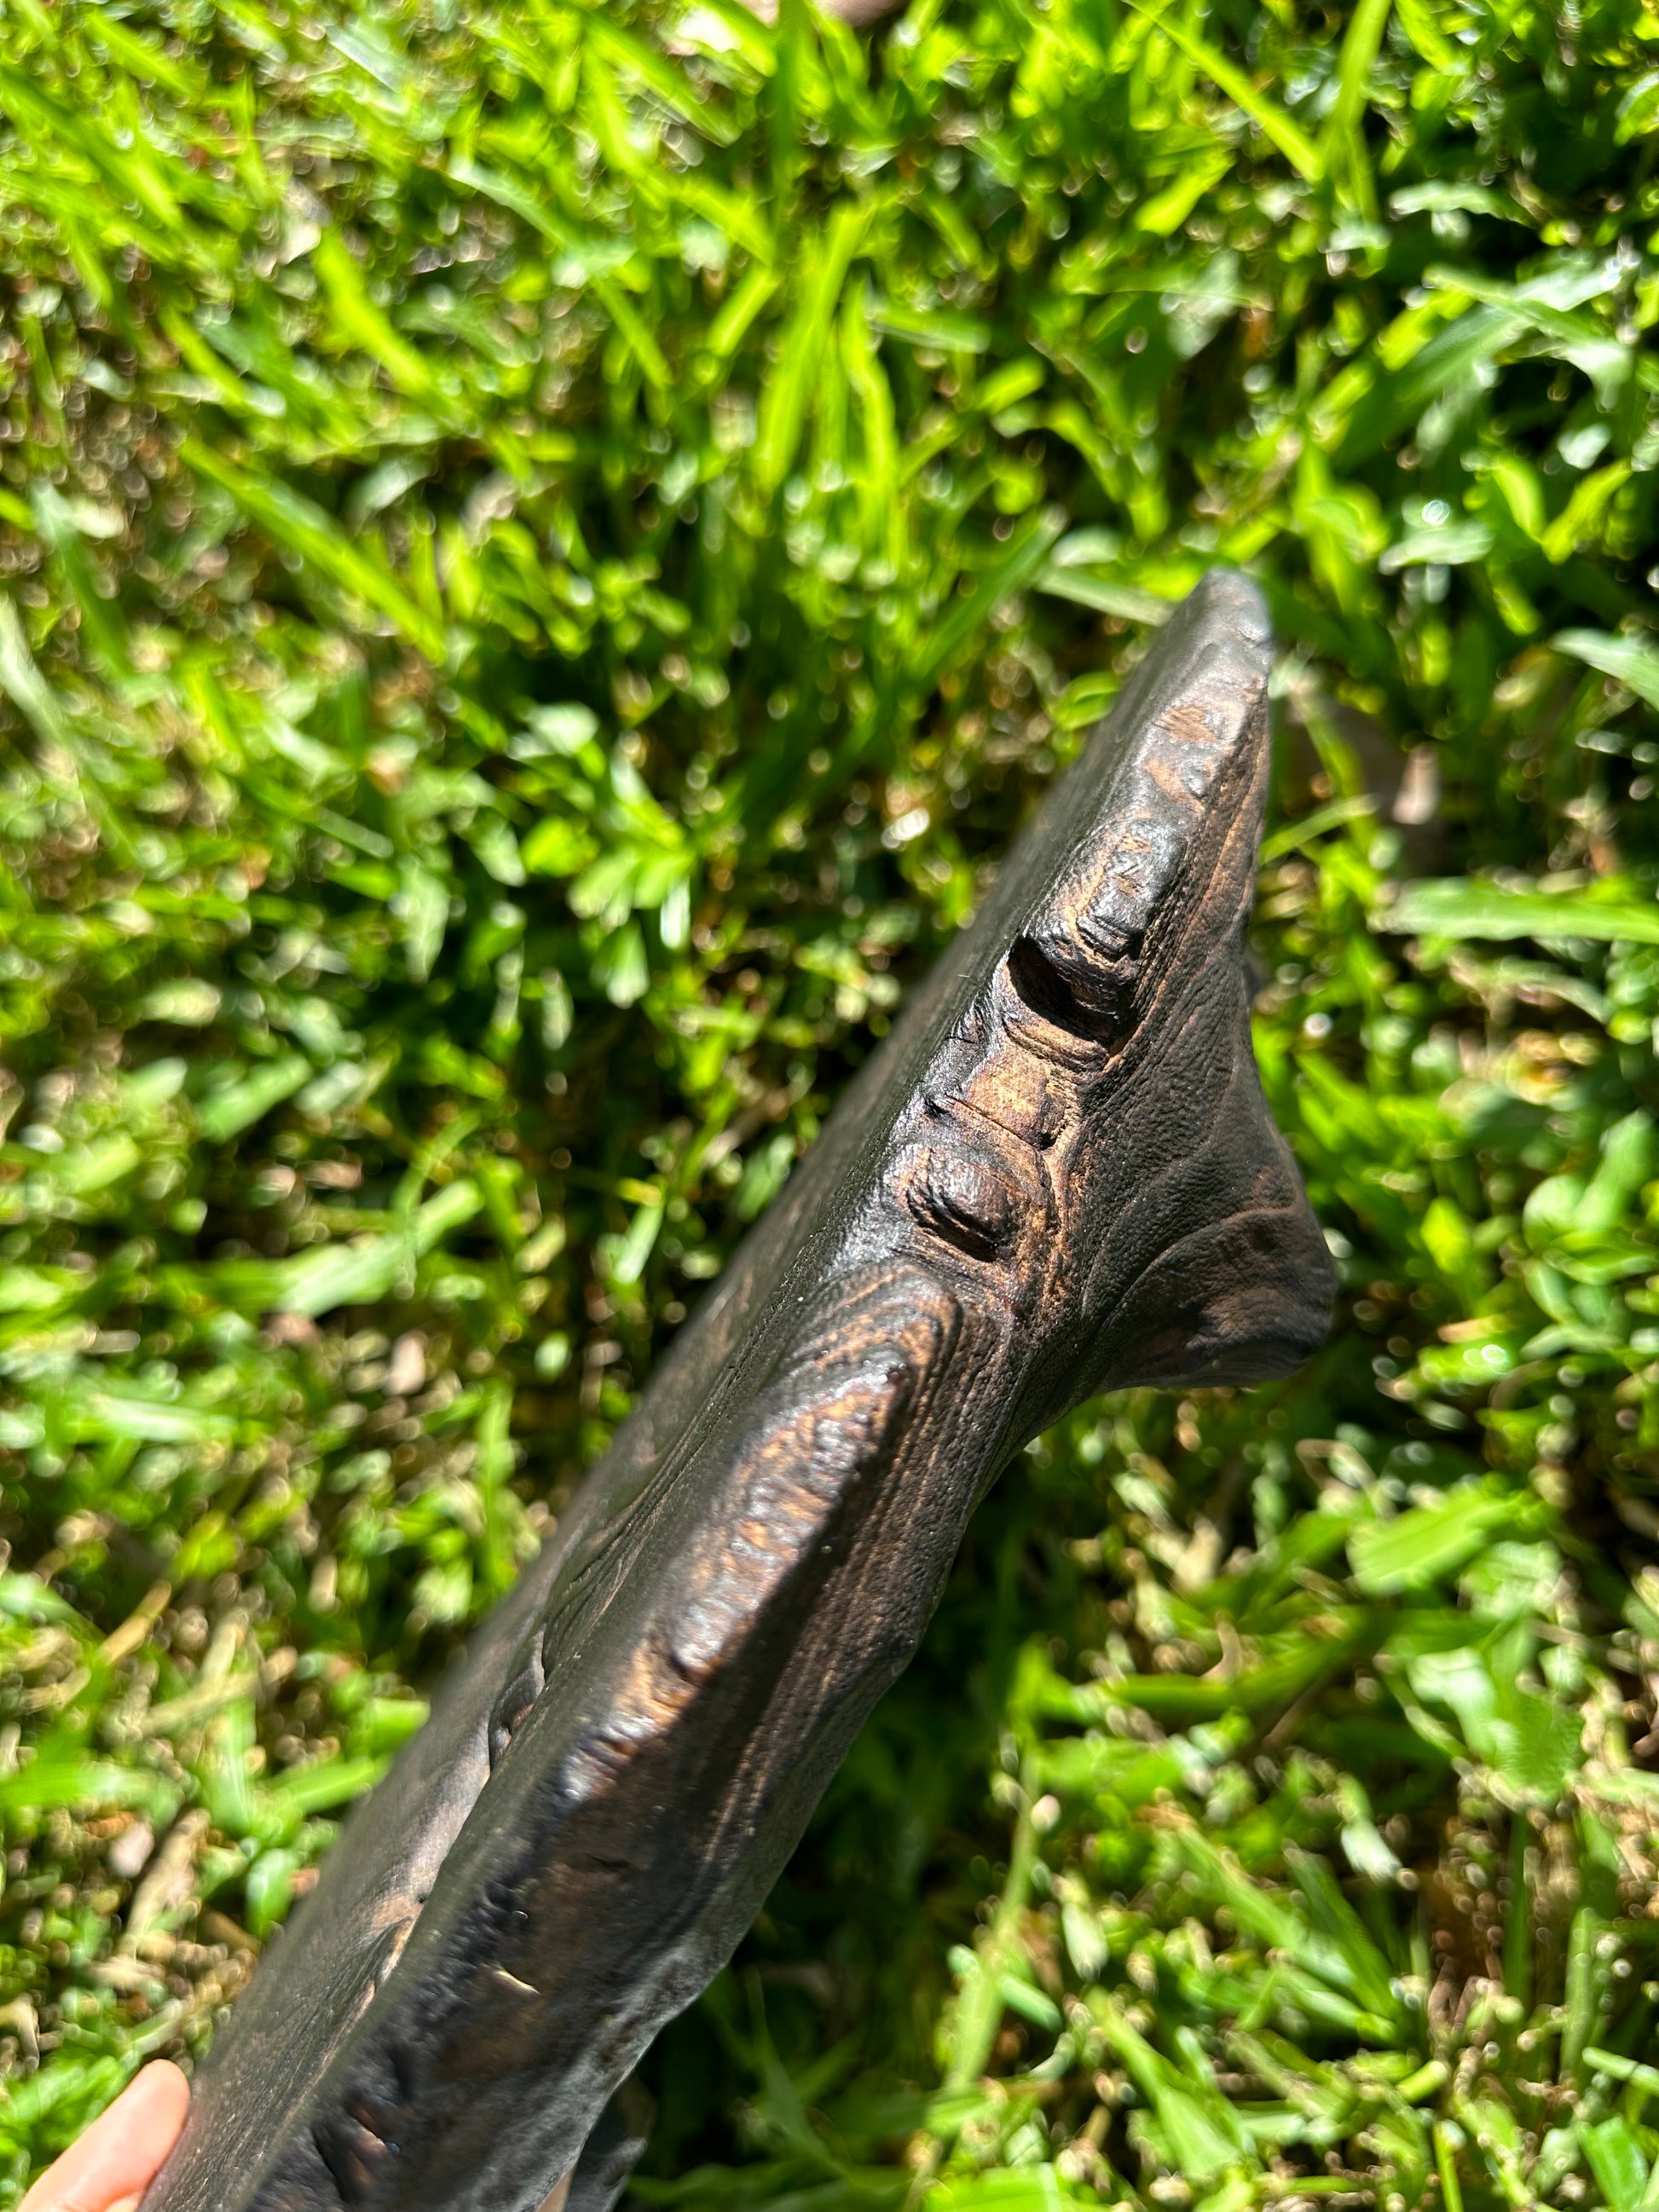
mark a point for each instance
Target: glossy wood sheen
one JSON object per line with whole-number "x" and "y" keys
{"x": 1058, "y": 1175}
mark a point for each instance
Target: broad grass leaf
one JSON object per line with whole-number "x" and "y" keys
{"x": 1292, "y": 141}
{"x": 1628, "y": 660}
{"x": 788, "y": 386}
{"x": 1617, "y": 2160}
{"x": 298, "y": 523}
{"x": 231, "y": 1107}
{"x": 1032, "y": 2189}
{"x": 1416, "y": 1549}
{"x": 315, "y": 1282}
{"x": 1457, "y": 907}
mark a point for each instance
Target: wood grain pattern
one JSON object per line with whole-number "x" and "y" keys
{"x": 1059, "y": 1175}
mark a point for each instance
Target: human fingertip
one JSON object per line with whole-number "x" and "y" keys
{"x": 164, "y": 2081}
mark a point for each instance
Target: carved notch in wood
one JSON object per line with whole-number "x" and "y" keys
{"x": 1059, "y": 1175}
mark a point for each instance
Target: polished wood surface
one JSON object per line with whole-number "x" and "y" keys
{"x": 1058, "y": 1176}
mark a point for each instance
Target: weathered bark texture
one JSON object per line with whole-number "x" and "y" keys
{"x": 1059, "y": 1175}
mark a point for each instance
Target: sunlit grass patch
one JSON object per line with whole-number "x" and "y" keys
{"x": 544, "y": 552}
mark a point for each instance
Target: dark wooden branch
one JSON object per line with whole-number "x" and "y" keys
{"x": 1059, "y": 1175}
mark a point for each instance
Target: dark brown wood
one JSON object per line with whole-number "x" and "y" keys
{"x": 1059, "y": 1175}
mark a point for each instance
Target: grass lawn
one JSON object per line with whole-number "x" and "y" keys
{"x": 544, "y": 551}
